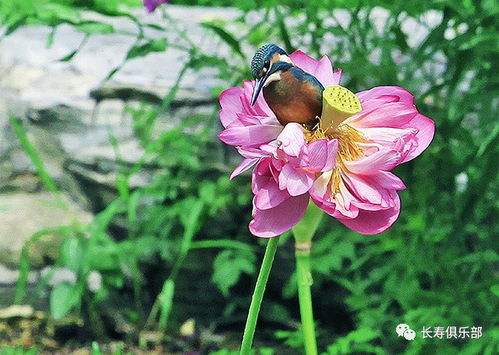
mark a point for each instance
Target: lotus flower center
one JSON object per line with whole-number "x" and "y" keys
{"x": 339, "y": 103}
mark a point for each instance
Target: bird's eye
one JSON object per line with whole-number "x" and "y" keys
{"x": 266, "y": 65}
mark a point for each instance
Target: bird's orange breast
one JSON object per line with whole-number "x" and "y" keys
{"x": 293, "y": 100}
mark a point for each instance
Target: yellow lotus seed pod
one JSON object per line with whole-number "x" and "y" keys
{"x": 338, "y": 103}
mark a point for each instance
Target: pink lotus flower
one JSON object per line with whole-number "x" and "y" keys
{"x": 151, "y": 5}
{"x": 346, "y": 171}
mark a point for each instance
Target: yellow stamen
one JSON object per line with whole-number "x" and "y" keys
{"x": 348, "y": 139}
{"x": 335, "y": 181}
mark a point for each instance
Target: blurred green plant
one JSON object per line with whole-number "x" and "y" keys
{"x": 435, "y": 267}
{"x": 18, "y": 350}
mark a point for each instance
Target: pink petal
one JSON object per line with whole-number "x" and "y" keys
{"x": 336, "y": 77}
{"x": 260, "y": 108}
{"x": 366, "y": 195}
{"x": 320, "y": 186}
{"x": 251, "y": 153}
{"x": 341, "y": 206}
{"x": 327, "y": 206}
{"x": 270, "y": 196}
{"x": 296, "y": 181}
{"x": 275, "y": 221}
{"x": 247, "y": 120}
{"x": 345, "y": 203}
{"x": 426, "y": 131}
{"x": 369, "y": 148}
{"x": 243, "y": 166}
{"x": 262, "y": 174}
{"x": 396, "y": 92}
{"x": 324, "y": 72}
{"x": 374, "y": 222}
{"x": 387, "y": 135}
{"x": 362, "y": 189}
{"x": 270, "y": 148}
{"x": 393, "y": 114}
{"x": 371, "y": 105}
{"x": 230, "y": 101}
{"x": 388, "y": 181}
{"x": 317, "y": 155}
{"x": 291, "y": 139}
{"x": 249, "y": 135}
{"x": 322, "y": 155}
{"x": 332, "y": 151}
{"x": 304, "y": 61}
{"x": 321, "y": 69}
{"x": 381, "y": 160}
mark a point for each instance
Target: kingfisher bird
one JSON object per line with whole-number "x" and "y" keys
{"x": 291, "y": 93}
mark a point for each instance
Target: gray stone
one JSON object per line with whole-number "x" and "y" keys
{"x": 70, "y": 113}
{"x": 22, "y": 215}
{"x": 9, "y": 276}
{"x": 33, "y": 70}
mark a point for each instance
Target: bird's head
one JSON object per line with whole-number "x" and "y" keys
{"x": 267, "y": 64}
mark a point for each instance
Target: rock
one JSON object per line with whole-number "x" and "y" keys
{"x": 56, "y": 275}
{"x": 33, "y": 71}
{"x": 10, "y": 277}
{"x": 70, "y": 112}
{"x": 22, "y": 215}
{"x": 17, "y": 311}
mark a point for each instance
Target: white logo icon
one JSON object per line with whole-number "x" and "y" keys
{"x": 410, "y": 334}
{"x": 405, "y": 331}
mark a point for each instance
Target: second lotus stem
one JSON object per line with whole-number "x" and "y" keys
{"x": 304, "y": 277}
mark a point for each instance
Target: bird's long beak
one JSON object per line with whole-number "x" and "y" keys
{"x": 258, "y": 87}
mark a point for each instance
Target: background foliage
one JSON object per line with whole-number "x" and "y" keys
{"x": 186, "y": 237}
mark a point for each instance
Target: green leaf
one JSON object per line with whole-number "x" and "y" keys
{"x": 190, "y": 221}
{"x": 92, "y": 27}
{"x": 222, "y": 243}
{"x": 96, "y": 348}
{"x": 479, "y": 40}
{"x": 103, "y": 258}
{"x": 228, "y": 38}
{"x": 166, "y": 302}
{"x": 15, "y": 25}
{"x": 102, "y": 220}
{"x": 63, "y": 298}
{"x": 228, "y": 267}
{"x": 155, "y": 45}
{"x": 490, "y": 142}
{"x": 33, "y": 154}
{"x": 53, "y": 14}
{"x": 292, "y": 338}
{"x": 155, "y": 26}
{"x": 24, "y": 263}
{"x": 349, "y": 344}
{"x": 71, "y": 254}
{"x": 50, "y": 37}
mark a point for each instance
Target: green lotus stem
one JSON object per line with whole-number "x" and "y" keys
{"x": 304, "y": 276}
{"x": 303, "y": 233}
{"x": 256, "y": 299}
